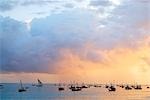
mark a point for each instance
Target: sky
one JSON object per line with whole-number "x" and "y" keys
{"x": 100, "y": 41}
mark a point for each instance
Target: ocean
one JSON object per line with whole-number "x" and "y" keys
{"x": 50, "y": 92}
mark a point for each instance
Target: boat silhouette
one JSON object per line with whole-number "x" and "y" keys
{"x": 112, "y": 88}
{"x": 75, "y": 88}
{"x": 61, "y": 88}
{"x": 138, "y": 87}
{"x": 22, "y": 89}
{"x": 40, "y": 84}
{"x": 84, "y": 86}
{"x": 1, "y": 86}
{"x": 106, "y": 86}
{"x": 122, "y": 86}
{"x": 128, "y": 87}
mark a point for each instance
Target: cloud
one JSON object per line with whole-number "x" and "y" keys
{"x": 13, "y": 34}
{"x": 39, "y": 13}
{"x": 59, "y": 40}
{"x": 100, "y": 3}
{"x": 37, "y": 50}
{"x": 67, "y": 26}
{"x": 6, "y": 5}
{"x": 38, "y": 2}
{"x": 122, "y": 24}
{"x": 69, "y": 5}
{"x": 143, "y": 1}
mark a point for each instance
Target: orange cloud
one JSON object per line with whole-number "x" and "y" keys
{"x": 120, "y": 64}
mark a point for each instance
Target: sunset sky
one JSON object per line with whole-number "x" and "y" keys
{"x": 75, "y": 40}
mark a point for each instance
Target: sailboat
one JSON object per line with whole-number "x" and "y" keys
{"x": 22, "y": 89}
{"x": 112, "y": 88}
{"x": 61, "y": 88}
{"x": 84, "y": 86}
{"x": 40, "y": 84}
{"x": 138, "y": 87}
{"x": 33, "y": 84}
{"x": 75, "y": 88}
{"x": 128, "y": 87}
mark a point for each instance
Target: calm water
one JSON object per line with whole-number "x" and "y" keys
{"x": 50, "y": 92}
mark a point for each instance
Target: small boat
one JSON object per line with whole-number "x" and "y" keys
{"x": 122, "y": 86}
{"x": 106, "y": 86}
{"x": 112, "y": 88}
{"x": 22, "y": 89}
{"x": 75, "y": 88}
{"x": 138, "y": 87}
{"x": 97, "y": 85}
{"x": 71, "y": 87}
{"x": 1, "y": 86}
{"x": 84, "y": 86}
{"x": 132, "y": 86}
{"x": 128, "y": 87}
{"x": 61, "y": 88}
{"x": 40, "y": 84}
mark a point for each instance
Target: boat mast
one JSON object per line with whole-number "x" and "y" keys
{"x": 21, "y": 84}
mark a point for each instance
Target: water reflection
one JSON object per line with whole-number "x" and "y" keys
{"x": 50, "y": 92}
